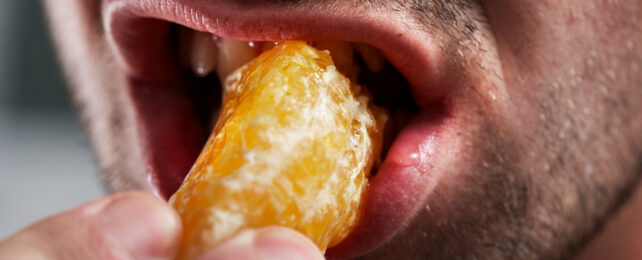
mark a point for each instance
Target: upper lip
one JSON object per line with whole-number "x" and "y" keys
{"x": 413, "y": 53}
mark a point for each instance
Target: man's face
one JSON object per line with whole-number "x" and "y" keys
{"x": 526, "y": 131}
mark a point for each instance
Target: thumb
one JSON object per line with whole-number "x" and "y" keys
{"x": 267, "y": 243}
{"x": 132, "y": 225}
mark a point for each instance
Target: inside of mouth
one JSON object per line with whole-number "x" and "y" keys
{"x": 202, "y": 60}
{"x": 205, "y": 59}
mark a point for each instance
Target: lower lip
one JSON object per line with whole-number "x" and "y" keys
{"x": 171, "y": 138}
{"x": 398, "y": 188}
{"x": 169, "y": 133}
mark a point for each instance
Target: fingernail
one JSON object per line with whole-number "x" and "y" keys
{"x": 283, "y": 243}
{"x": 140, "y": 226}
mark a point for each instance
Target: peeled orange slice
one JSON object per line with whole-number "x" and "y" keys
{"x": 292, "y": 147}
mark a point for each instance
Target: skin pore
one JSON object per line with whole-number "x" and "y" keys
{"x": 550, "y": 140}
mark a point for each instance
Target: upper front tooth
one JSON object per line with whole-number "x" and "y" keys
{"x": 268, "y": 45}
{"x": 185, "y": 47}
{"x": 374, "y": 59}
{"x": 233, "y": 54}
{"x": 204, "y": 53}
{"x": 342, "y": 55}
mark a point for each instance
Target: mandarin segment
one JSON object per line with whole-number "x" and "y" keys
{"x": 292, "y": 147}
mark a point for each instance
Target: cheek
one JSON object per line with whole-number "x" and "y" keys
{"x": 487, "y": 185}
{"x": 481, "y": 200}
{"x": 96, "y": 86}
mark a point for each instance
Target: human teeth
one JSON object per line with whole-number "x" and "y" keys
{"x": 342, "y": 55}
{"x": 262, "y": 46}
{"x": 269, "y": 45}
{"x": 233, "y": 54}
{"x": 185, "y": 47}
{"x": 204, "y": 53}
{"x": 374, "y": 59}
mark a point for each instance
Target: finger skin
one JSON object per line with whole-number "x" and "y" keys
{"x": 131, "y": 225}
{"x": 267, "y": 243}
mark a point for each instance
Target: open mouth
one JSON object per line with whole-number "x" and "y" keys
{"x": 177, "y": 52}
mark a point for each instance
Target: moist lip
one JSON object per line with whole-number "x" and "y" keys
{"x": 405, "y": 175}
{"x": 387, "y": 87}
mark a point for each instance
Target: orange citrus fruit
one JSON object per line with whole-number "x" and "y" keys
{"x": 293, "y": 146}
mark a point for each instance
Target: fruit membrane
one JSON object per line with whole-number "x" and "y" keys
{"x": 293, "y": 146}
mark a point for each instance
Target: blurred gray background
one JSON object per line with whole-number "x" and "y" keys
{"x": 46, "y": 163}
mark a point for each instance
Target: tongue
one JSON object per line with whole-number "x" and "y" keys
{"x": 170, "y": 132}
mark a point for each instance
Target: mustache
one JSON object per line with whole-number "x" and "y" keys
{"x": 430, "y": 12}
{"x": 456, "y": 19}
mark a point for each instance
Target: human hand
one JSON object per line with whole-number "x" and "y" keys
{"x": 136, "y": 225}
